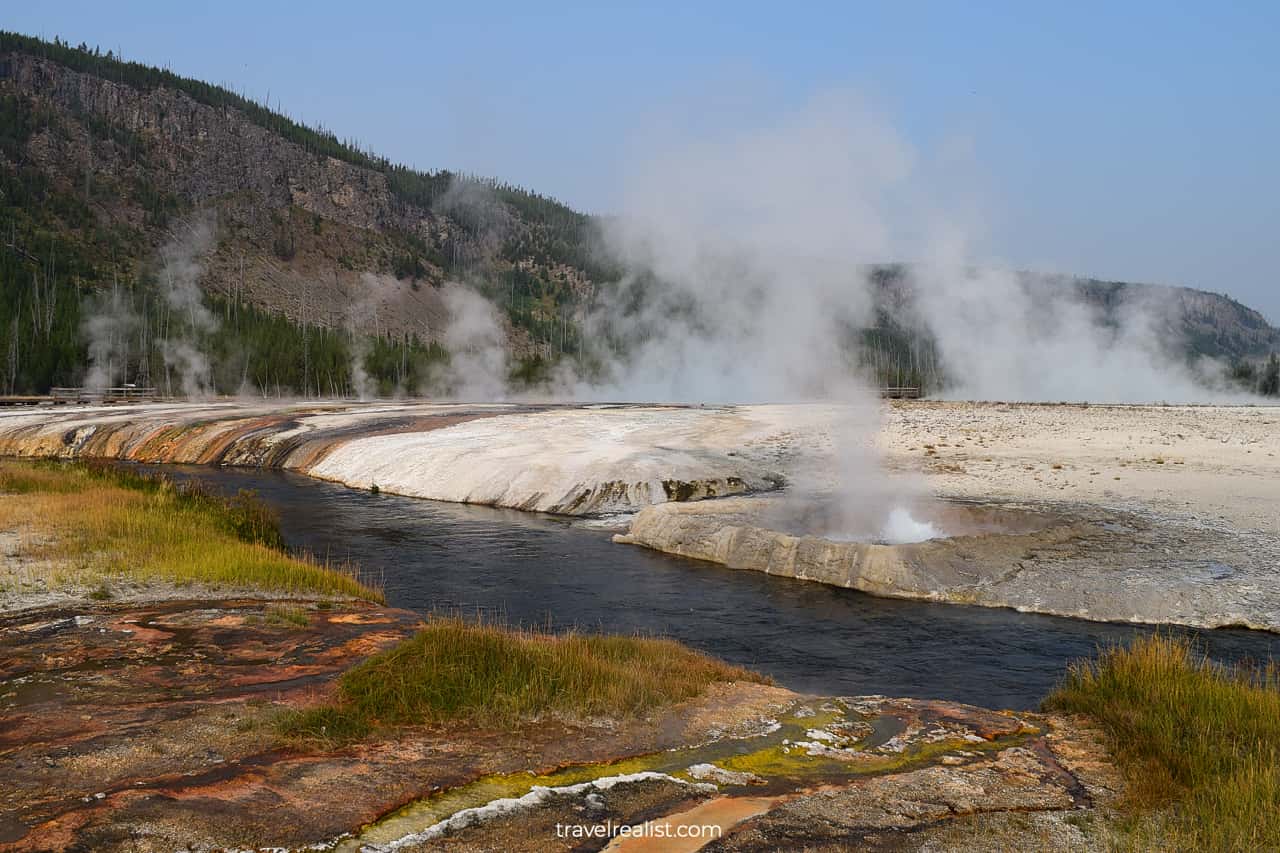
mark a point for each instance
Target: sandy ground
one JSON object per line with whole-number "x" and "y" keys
{"x": 1208, "y": 461}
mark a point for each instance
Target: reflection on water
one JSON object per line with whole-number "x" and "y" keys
{"x": 810, "y": 637}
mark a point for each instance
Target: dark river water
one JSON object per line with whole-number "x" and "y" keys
{"x": 543, "y": 570}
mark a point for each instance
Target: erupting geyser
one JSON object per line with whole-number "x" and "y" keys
{"x": 902, "y": 528}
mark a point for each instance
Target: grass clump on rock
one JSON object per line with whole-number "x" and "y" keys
{"x": 1199, "y": 742}
{"x": 94, "y": 523}
{"x": 490, "y": 675}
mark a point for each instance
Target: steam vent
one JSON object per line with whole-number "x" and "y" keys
{"x": 995, "y": 554}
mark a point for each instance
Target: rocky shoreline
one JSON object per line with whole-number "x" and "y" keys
{"x": 148, "y": 727}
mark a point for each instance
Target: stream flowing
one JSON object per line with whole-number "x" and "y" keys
{"x": 549, "y": 571}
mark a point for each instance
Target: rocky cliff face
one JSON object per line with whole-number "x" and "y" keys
{"x": 1211, "y": 324}
{"x": 194, "y": 150}
{"x": 319, "y": 239}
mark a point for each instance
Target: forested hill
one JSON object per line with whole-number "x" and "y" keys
{"x": 151, "y": 223}
{"x": 105, "y": 164}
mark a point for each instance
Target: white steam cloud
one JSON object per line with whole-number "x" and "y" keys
{"x": 361, "y": 316}
{"x": 745, "y": 250}
{"x": 112, "y": 322}
{"x": 109, "y": 326}
{"x": 179, "y": 282}
{"x": 476, "y": 340}
{"x": 1002, "y": 336}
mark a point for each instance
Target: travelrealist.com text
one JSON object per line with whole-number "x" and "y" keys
{"x": 653, "y": 829}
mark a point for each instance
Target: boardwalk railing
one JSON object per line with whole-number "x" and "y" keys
{"x": 122, "y": 394}
{"x": 900, "y": 393}
{"x": 129, "y": 392}
{"x": 71, "y": 395}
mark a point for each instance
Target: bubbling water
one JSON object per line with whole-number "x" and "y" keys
{"x": 902, "y": 528}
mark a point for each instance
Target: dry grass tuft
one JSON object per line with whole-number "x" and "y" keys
{"x": 98, "y": 523}
{"x": 490, "y": 675}
{"x": 1199, "y": 743}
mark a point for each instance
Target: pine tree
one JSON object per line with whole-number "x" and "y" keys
{"x": 1270, "y": 384}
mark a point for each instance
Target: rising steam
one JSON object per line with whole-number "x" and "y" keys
{"x": 748, "y": 248}
{"x": 1004, "y": 336}
{"x": 112, "y": 322}
{"x": 109, "y": 326}
{"x": 476, "y": 341}
{"x": 745, "y": 249}
{"x": 187, "y": 319}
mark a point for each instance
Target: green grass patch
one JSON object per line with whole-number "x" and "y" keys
{"x": 290, "y": 616}
{"x": 1199, "y": 743}
{"x": 489, "y": 675}
{"x": 97, "y": 522}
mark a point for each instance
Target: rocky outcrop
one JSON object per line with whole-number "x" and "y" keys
{"x": 833, "y": 774}
{"x": 149, "y": 727}
{"x": 115, "y": 718}
{"x": 205, "y": 152}
{"x": 566, "y": 460}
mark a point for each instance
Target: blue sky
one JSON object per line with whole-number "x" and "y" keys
{"x": 1136, "y": 141}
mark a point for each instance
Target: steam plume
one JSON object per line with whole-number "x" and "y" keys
{"x": 179, "y": 280}
{"x": 745, "y": 249}
{"x": 476, "y": 340}
{"x": 109, "y": 326}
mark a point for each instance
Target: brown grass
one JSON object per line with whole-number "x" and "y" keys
{"x": 487, "y": 674}
{"x": 1199, "y": 743}
{"x": 95, "y": 524}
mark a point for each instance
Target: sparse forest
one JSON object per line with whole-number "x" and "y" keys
{"x": 60, "y": 265}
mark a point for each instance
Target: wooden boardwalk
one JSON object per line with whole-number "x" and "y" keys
{"x": 64, "y": 396}
{"x": 900, "y": 393}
